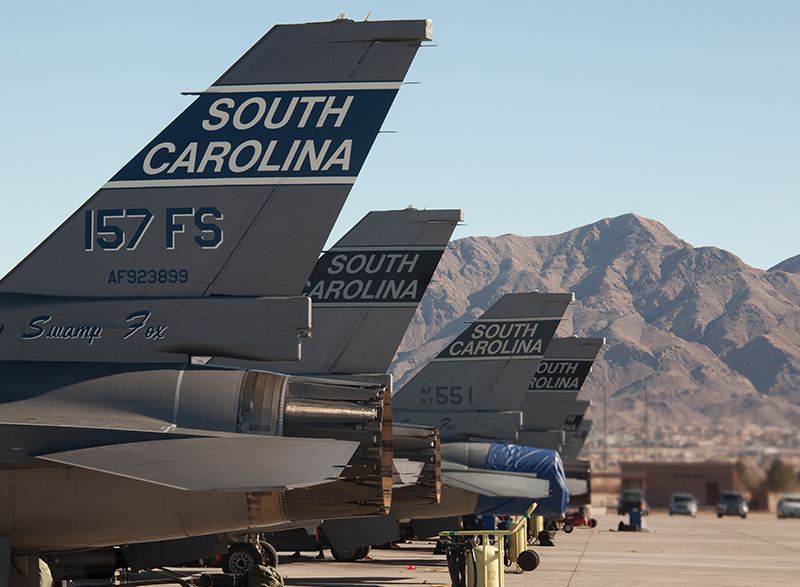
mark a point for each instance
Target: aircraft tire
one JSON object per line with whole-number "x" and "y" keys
{"x": 568, "y": 528}
{"x": 241, "y": 558}
{"x": 350, "y": 555}
{"x": 270, "y": 554}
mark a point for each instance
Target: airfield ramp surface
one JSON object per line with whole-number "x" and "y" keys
{"x": 728, "y": 552}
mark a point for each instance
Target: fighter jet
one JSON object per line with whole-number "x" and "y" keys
{"x": 486, "y": 468}
{"x": 550, "y": 398}
{"x": 574, "y": 445}
{"x": 472, "y": 391}
{"x": 393, "y": 252}
{"x": 200, "y": 245}
{"x": 481, "y": 475}
{"x": 364, "y": 292}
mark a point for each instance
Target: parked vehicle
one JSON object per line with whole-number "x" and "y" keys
{"x": 731, "y": 503}
{"x": 573, "y": 519}
{"x": 682, "y": 504}
{"x": 789, "y": 506}
{"x": 632, "y": 498}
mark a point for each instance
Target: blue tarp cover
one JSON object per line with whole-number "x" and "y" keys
{"x": 545, "y": 464}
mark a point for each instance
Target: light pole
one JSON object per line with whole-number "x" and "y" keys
{"x": 605, "y": 430}
{"x": 645, "y": 423}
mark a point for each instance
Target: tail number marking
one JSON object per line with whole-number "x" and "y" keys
{"x": 148, "y": 276}
{"x": 110, "y": 229}
{"x": 444, "y": 394}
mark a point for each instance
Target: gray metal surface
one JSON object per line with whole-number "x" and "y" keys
{"x": 496, "y": 483}
{"x": 228, "y": 180}
{"x": 574, "y": 441}
{"x": 154, "y": 330}
{"x": 234, "y": 199}
{"x": 358, "y": 532}
{"x": 238, "y": 463}
{"x": 486, "y": 369}
{"x": 365, "y": 290}
{"x": 559, "y": 378}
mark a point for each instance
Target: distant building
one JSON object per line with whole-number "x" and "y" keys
{"x": 660, "y": 480}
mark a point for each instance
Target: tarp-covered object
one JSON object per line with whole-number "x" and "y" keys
{"x": 545, "y": 464}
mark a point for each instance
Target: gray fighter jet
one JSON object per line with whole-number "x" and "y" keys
{"x": 364, "y": 292}
{"x": 391, "y": 252}
{"x": 200, "y": 245}
{"x": 474, "y": 479}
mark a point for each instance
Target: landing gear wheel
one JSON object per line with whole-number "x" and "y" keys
{"x": 270, "y": 554}
{"x": 350, "y": 555}
{"x": 568, "y": 528}
{"x": 528, "y": 560}
{"x": 593, "y": 523}
{"x": 241, "y": 558}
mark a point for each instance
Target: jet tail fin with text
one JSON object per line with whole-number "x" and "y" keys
{"x": 558, "y": 380}
{"x": 365, "y": 290}
{"x": 475, "y": 386}
{"x": 237, "y": 196}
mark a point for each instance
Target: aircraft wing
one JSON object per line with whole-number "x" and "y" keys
{"x": 241, "y": 463}
{"x": 496, "y": 483}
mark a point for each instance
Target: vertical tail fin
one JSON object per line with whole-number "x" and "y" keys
{"x": 558, "y": 380}
{"x": 475, "y": 386}
{"x": 553, "y": 391}
{"x": 237, "y": 195}
{"x": 576, "y": 428}
{"x": 574, "y": 441}
{"x": 366, "y": 288}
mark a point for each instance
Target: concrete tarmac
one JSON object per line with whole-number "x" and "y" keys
{"x": 702, "y": 551}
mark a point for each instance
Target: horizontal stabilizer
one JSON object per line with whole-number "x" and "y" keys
{"x": 230, "y": 463}
{"x": 495, "y": 483}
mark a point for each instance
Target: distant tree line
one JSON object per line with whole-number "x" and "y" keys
{"x": 778, "y": 478}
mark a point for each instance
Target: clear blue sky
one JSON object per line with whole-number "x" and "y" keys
{"x": 534, "y": 117}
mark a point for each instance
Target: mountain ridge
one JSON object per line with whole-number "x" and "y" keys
{"x": 715, "y": 341}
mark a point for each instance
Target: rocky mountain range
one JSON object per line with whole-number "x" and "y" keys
{"x": 715, "y": 341}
